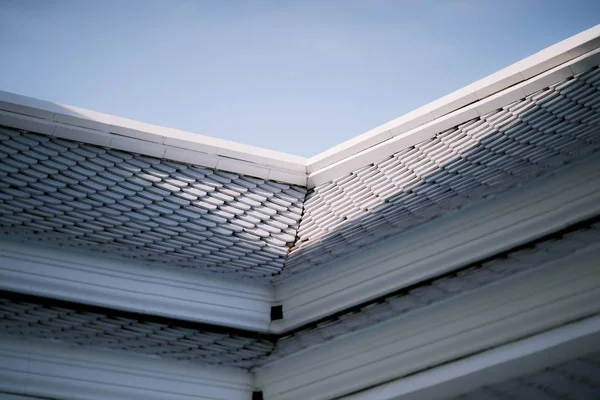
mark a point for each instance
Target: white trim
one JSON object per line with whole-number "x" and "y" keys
{"x": 552, "y": 295}
{"x": 87, "y": 126}
{"x": 171, "y": 292}
{"x": 505, "y": 362}
{"x": 557, "y": 62}
{"x": 67, "y": 373}
{"x": 455, "y": 240}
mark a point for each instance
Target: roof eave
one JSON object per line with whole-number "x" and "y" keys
{"x": 105, "y": 130}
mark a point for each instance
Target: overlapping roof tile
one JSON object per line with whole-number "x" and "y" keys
{"x": 100, "y": 199}
{"x": 31, "y": 318}
{"x": 487, "y": 155}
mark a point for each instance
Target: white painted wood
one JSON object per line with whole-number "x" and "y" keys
{"x": 26, "y": 122}
{"x": 74, "y": 133}
{"x": 289, "y": 177}
{"x": 67, "y": 373}
{"x": 127, "y": 285}
{"x": 439, "y": 246}
{"x": 138, "y": 146}
{"x": 505, "y": 362}
{"x": 552, "y": 295}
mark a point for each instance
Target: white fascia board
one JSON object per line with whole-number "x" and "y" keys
{"x": 70, "y": 373}
{"x": 87, "y": 126}
{"x": 561, "y": 60}
{"x": 505, "y": 362}
{"x": 552, "y": 295}
{"x": 136, "y": 287}
{"x": 441, "y": 245}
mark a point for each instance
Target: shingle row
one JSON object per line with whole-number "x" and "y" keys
{"x": 96, "y": 330}
{"x": 76, "y": 194}
{"x": 485, "y": 156}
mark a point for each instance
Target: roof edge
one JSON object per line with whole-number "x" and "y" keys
{"x": 73, "y": 123}
{"x": 487, "y": 88}
{"x": 572, "y": 55}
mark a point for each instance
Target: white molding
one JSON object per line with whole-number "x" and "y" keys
{"x": 68, "y": 373}
{"x": 126, "y": 285}
{"x": 549, "y": 66}
{"x": 505, "y": 362}
{"x": 552, "y": 295}
{"x": 463, "y": 237}
{"x": 92, "y": 127}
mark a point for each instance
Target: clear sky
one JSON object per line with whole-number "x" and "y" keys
{"x": 294, "y": 76}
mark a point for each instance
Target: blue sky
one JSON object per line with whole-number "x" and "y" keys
{"x": 294, "y": 76}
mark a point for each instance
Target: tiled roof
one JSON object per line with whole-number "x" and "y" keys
{"x": 154, "y": 210}
{"x": 575, "y": 379}
{"x": 506, "y": 148}
{"x": 99, "y": 199}
{"x": 31, "y": 318}
{"x": 465, "y": 280}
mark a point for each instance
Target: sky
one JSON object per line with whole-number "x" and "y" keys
{"x": 294, "y": 76}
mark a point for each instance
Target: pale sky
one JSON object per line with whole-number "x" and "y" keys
{"x": 294, "y": 76}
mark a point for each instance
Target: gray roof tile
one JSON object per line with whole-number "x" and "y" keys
{"x": 36, "y": 319}
{"x": 143, "y": 207}
{"x": 505, "y": 148}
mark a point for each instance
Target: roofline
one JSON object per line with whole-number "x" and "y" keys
{"x": 478, "y": 98}
{"x": 92, "y": 127}
{"x": 563, "y": 59}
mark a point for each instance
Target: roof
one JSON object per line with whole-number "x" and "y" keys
{"x": 152, "y": 209}
{"x": 106, "y": 200}
{"x": 465, "y": 225}
{"x": 482, "y": 157}
{"x": 476, "y": 99}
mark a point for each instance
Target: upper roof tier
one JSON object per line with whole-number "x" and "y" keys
{"x": 76, "y": 178}
{"x": 490, "y": 93}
